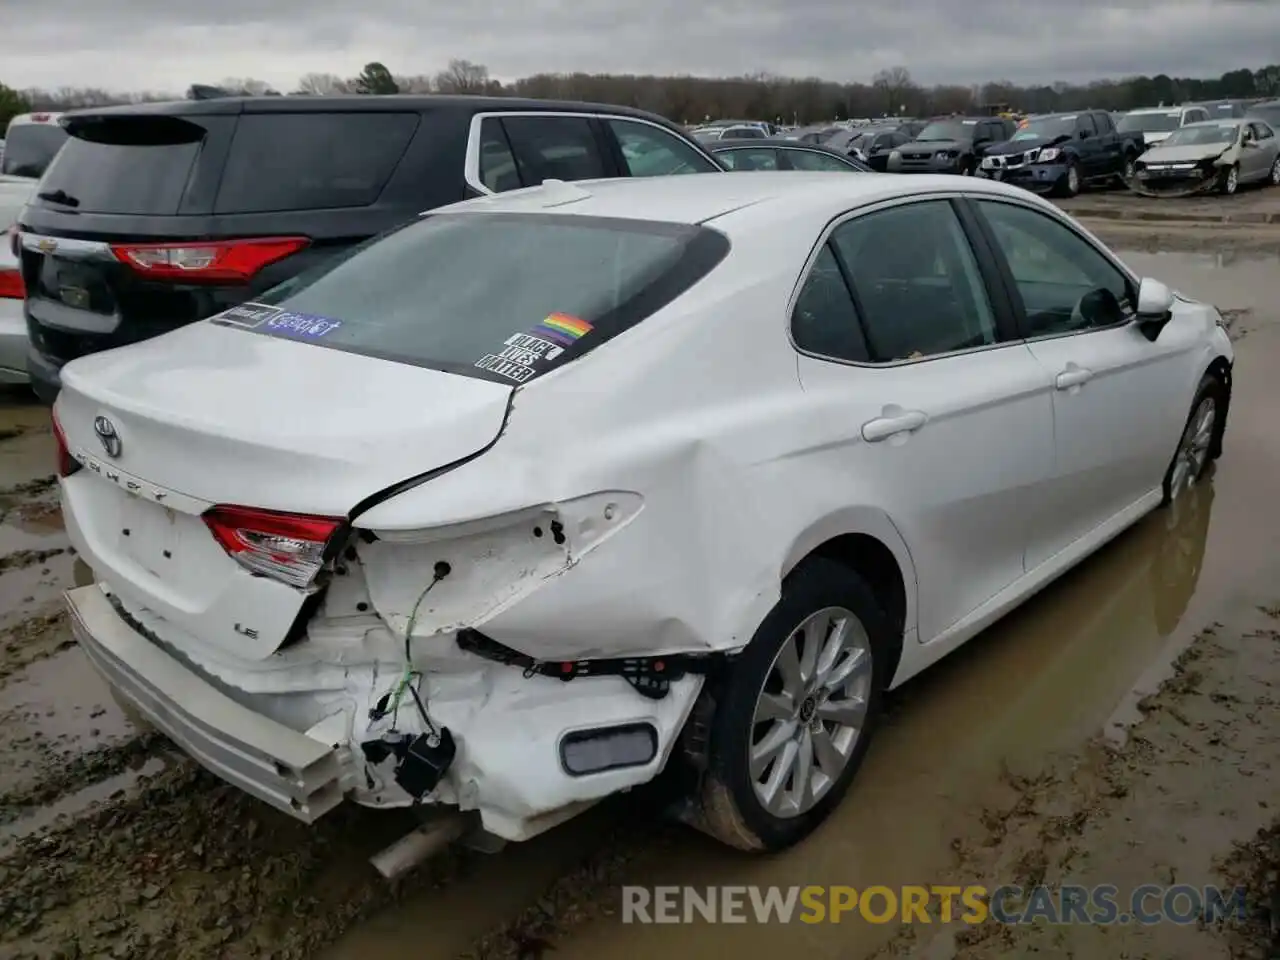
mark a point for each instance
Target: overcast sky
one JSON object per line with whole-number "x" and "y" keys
{"x": 168, "y": 44}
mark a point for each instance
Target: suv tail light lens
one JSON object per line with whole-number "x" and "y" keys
{"x": 11, "y": 285}
{"x": 220, "y": 261}
{"x": 288, "y": 547}
{"x": 67, "y": 464}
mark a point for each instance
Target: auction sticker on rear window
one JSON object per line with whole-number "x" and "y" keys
{"x": 248, "y": 315}
{"x": 305, "y": 325}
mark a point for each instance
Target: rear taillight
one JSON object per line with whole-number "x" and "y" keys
{"x": 288, "y": 547}
{"x": 221, "y": 261}
{"x": 67, "y": 464}
{"x": 11, "y": 286}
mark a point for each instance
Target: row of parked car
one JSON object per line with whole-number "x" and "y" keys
{"x": 1227, "y": 144}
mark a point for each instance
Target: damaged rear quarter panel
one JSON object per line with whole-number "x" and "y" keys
{"x": 699, "y": 412}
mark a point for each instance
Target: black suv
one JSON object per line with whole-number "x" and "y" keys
{"x": 157, "y": 215}
{"x": 950, "y": 145}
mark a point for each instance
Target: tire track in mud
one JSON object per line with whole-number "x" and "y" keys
{"x": 1159, "y": 808}
{"x": 187, "y": 867}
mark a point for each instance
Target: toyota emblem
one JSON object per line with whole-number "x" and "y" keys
{"x": 106, "y": 431}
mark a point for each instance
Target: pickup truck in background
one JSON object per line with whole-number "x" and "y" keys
{"x": 1062, "y": 153}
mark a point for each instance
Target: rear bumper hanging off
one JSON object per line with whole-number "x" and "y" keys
{"x": 531, "y": 750}
{"x": 287, "y": 769}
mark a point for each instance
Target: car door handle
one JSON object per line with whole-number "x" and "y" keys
{"x": 1073, "y": 376}
{"x": 882, "y": 428}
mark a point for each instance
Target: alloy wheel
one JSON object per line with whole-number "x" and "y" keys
{"x": 1275, "y": 172}
{"x": 1073, "y": 180}
{"x": 1232, "y": 181}
{"x": 810, "y": 712}
{"x": 1193, "y": 448}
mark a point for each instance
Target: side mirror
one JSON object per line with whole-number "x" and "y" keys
{"x": 1155, "y": 307}
{"x": 1083, "y": 134}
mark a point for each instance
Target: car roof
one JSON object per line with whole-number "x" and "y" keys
{"x": 1166, "y": 110}
{"x": 1220, "y": 122}
{"x": 737, "y": 202}
{"x": 357, "y": 104}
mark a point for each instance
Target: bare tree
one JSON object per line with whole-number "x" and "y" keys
{"x": 894, "y": 83}
{"x": 245, "y": 86}
{"x": 323, "y": 84}
{"x": 418, "y": 83}
{"x": 463, "y": 76}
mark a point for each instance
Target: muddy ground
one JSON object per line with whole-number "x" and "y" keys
{"x": 1121, "y": 728}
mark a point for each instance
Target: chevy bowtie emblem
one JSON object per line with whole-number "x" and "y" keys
{"x": 106, "y": 431}
{"x": 45, "y": 245}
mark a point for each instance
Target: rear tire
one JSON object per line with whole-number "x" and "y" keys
{"x": 1128, "y": 170}
{"x": 1199, "y": 441}
{"x": 805, "y": 738}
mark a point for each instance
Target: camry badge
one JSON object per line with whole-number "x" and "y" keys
{"x": 106, "y": 431}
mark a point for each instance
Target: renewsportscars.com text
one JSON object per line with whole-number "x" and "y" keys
{"x": 1103, "y": 904}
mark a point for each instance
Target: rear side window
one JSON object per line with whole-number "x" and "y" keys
{"x": 554, "y": 148}
{"x": 649, "y": 151}
{"x": 306, "y": 161}
{"x": 501, "y": 297}
{"x": 750, "y": 158}
{"x": 126, "y": 165}
{"x": 29, "y": 148}
{"x": 497, "y": 163}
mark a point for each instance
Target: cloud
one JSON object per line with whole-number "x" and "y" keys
{"x": 168, "y": 44}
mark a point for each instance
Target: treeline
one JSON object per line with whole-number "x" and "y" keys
{"x": 760, "y": 96}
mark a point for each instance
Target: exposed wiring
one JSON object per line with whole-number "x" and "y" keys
{"x": 442, "y": 570}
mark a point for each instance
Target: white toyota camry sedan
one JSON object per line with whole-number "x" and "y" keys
{"x": 547, "y": 493}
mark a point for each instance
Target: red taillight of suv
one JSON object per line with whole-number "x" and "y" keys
{"x": 288, "y": 547}
{"x": 11, "y": 285}
{"x": 66, "y": 464}
{"x": 214, "y": 261}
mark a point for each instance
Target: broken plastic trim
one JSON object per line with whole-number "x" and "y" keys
{"x": 651, "y": 676}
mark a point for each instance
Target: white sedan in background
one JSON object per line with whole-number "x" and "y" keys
{"x": 546, "y": 492}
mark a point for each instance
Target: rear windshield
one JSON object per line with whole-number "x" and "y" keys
{"x": 28, "y": 148}
{"x": 142, "y": 165}
{"x": 1149, "y": 122}
{"x": 130, "y": 178}
{"x": 501, "y": 297}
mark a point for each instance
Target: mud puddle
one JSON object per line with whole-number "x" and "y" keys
{"x": 966, "y": 740}
{"x": 1245, "y": 286}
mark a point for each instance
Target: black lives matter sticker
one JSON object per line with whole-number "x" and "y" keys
{"x": 520, "y": 357}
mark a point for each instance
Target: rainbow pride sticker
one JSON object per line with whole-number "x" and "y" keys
{"x": 562, "y": 328}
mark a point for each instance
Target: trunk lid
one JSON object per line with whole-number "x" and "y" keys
{"x": 274, "y": 423}
{"x": 250, "y": 421}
